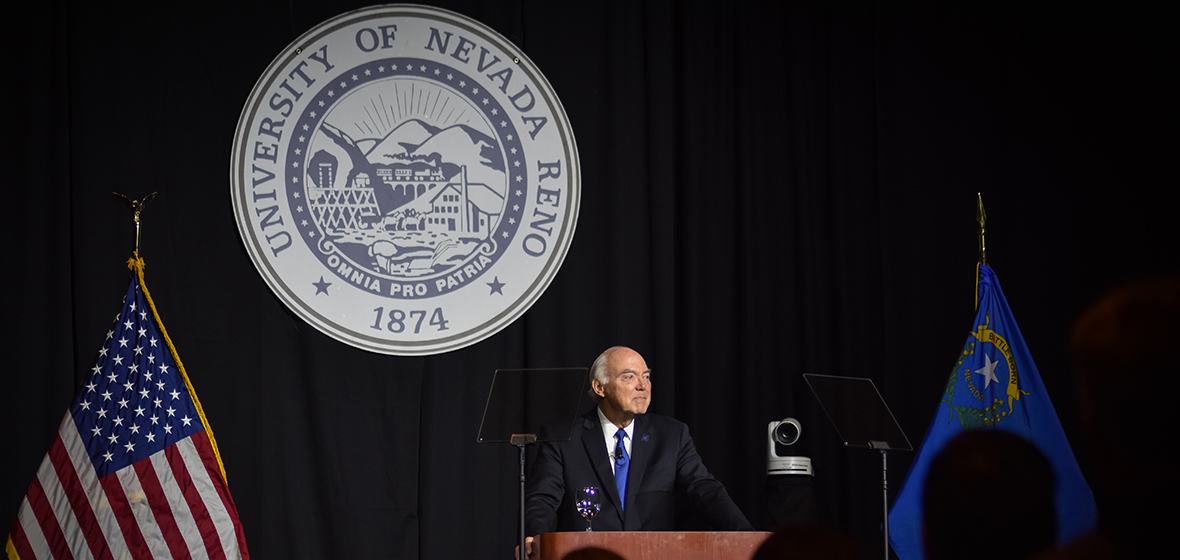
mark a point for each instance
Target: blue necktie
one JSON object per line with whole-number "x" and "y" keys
{"x": 622, "y": 461}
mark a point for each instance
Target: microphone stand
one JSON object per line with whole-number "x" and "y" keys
{"x": 520, "y": 441}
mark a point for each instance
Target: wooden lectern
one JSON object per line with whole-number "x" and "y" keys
{"x": 641, "y": 545}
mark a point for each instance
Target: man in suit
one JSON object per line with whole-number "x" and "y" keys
{"x": 636, "y": 460}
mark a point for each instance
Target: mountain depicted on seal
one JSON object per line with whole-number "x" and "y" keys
{"x": 414, "y": 135}
{"x": 404, "y": 139}
{"x": 415, "y": 158}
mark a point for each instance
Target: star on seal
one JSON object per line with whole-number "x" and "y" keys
{"x": 321, "y": 287}
{"x": 497, "y": 286}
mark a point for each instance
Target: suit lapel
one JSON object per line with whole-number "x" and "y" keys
{"x": 640, "y": 452}
{"x": 595, "y": 445}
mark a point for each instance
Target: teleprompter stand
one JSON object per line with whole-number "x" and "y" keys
{"x": 862, "y": 419}
{"x": 520, "y": 401}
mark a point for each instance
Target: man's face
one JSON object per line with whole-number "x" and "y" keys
{"x": 629, "y": 390}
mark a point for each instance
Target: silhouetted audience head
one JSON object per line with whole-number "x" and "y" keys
{"x": 806, "y": 542}
{"x": 1124, "y": 351}
{"x": 989, "y": 495}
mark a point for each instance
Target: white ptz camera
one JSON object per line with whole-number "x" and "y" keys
{"x": 780, "y": 435}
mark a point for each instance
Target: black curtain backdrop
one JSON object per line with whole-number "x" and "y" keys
{"x": 770, "y": 189}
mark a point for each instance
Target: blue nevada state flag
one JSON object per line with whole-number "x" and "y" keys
{"x": 995, "y": 385}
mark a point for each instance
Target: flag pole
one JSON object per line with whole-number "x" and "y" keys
{"x": 981, "y": 217}
{"x": 137, "y": 207}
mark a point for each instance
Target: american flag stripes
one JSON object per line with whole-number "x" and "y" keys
{"x": 134, "y": 471}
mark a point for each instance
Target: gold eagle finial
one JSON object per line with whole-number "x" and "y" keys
{"x": 136, "y": 207}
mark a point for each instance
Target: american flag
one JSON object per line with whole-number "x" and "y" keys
{"x": 133, "y": 471}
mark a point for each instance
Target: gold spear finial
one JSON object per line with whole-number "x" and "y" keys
{"x": 136, "y": 207}
{"x": 981, "y": 217}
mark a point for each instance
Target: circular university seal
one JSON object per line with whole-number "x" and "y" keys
{"x": 405, "y": 179}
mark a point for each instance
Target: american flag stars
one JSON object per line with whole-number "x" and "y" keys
{"x": 120, "y": 412}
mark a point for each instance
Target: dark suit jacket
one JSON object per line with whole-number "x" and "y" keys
{"x": 663, "y": 461}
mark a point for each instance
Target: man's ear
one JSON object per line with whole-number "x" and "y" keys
{"x": 598, "y": 387}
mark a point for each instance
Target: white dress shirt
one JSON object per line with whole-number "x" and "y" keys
{"x": 608, "y": 431}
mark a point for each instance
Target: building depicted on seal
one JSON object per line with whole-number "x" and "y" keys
{"x": 462, "y": 208}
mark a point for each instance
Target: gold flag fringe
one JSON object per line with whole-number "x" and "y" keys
{"x": 136, "y": 263}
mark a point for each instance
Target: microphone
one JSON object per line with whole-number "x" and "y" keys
{"x": 619, "y": 451}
